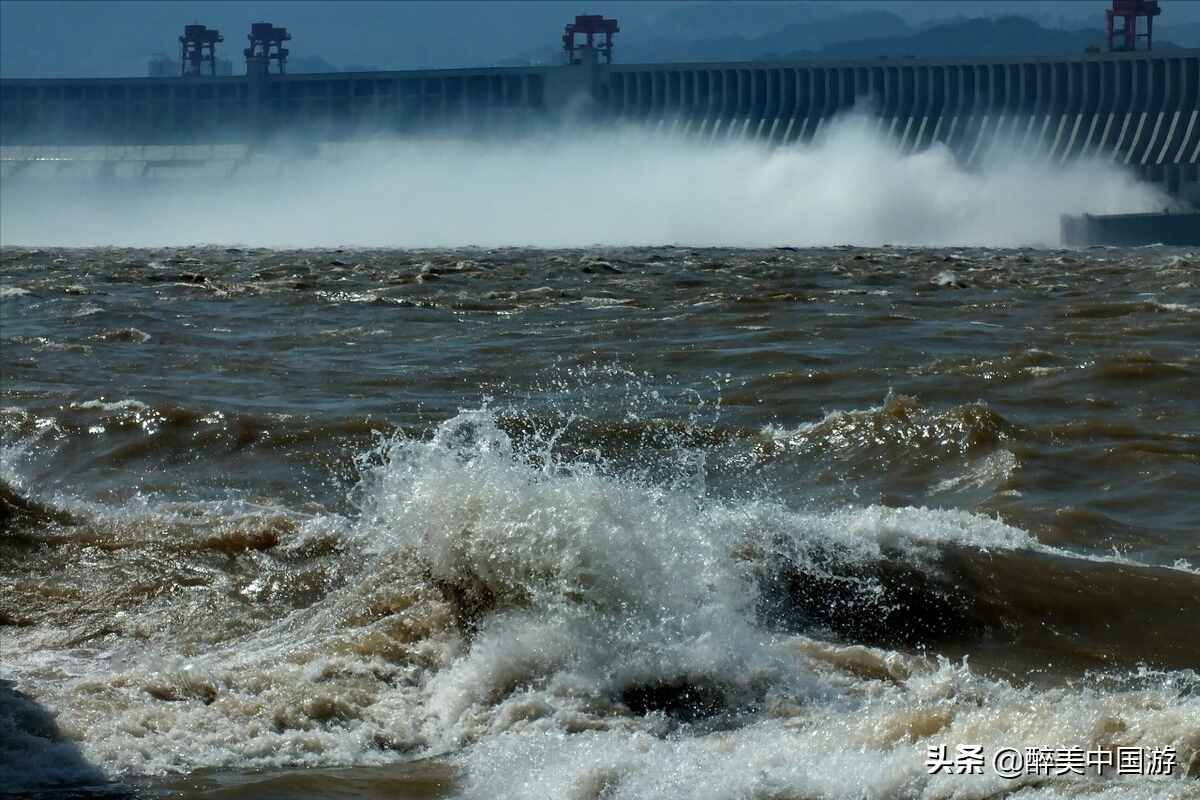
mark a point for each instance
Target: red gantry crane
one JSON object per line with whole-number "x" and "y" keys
{"x": 590, "y": 25}
{"x": 266, "y": 43}
{"x": 1125, "y": 38}
{"x": 197, "y": 47}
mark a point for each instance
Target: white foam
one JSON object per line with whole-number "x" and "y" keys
{"x": 871, "y": 744}
{"x": 128, "y": 404}
{"x": 1180, "y": 307}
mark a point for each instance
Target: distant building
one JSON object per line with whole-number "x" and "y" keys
{"x": 163, "y": 67}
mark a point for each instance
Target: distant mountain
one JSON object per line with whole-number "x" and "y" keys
{"x": 1004, "y": 36}
{"x": 813, "y": 33}
{"x": 714, "y": 20}
{"x": 876, "y": 34}
{"x": 1184, "y": 34}
{"x": 673, "y": 38}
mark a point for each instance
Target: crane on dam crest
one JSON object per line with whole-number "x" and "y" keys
{"x": 1125, "y": 38}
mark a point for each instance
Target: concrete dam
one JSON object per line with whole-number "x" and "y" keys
{"x": 1138, "y": 108}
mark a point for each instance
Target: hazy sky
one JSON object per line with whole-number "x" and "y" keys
{"x": 60, "y": 38}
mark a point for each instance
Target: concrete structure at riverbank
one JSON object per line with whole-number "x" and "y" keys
{"x": 1131, "y": 230}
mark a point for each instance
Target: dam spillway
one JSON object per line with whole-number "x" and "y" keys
{"x": 1139, "y": 109}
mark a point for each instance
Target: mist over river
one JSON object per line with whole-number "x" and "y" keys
{"x": 604, "y": 522}
{"x": 574, "y": 185}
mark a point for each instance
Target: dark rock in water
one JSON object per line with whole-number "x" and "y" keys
{"x": 30, "y": 739}
{"x": 17, "y": 513}
{"x": 1002, "y": 601}
{"x": 121, "y": 335}
{"x": 337, "y": 262}
{"x": 594, "y": 263}
{"x": 592, "y": 267}
{"x": 887, "y": 603}
{"x": 684, "y": 700}
{"x": 13, "y": 622}
{"x": 182, "y": 277}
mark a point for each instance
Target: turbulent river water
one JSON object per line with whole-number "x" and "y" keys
{"x": 599, "y": 523}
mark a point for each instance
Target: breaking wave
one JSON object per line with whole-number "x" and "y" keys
{"x": 563, "y": 627}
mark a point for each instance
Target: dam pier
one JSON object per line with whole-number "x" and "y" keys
{"x": 1138, "y": 108}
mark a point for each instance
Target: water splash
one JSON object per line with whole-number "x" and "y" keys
{"x": 849, "y": 186}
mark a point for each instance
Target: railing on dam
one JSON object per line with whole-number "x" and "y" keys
{"x": 1141, "y": 109}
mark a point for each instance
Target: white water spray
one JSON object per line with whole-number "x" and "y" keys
{"x": 628, "y": 187}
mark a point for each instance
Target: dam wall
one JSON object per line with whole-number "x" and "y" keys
{"x": 1139, "y": 109}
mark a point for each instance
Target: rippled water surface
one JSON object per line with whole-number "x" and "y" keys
{"x": 614, "y": 523}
